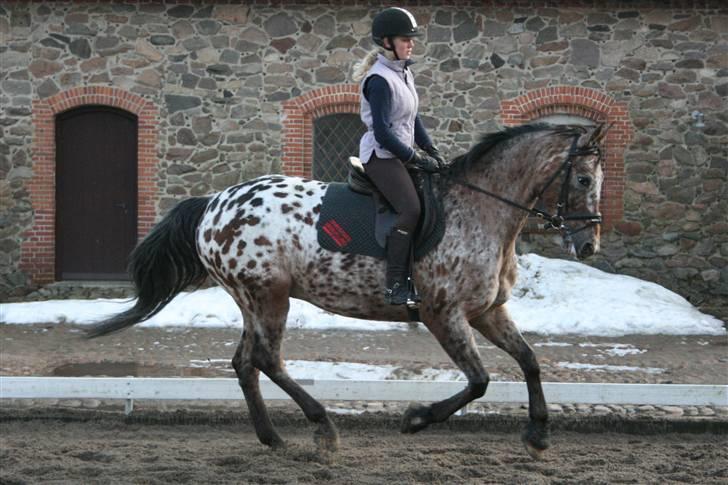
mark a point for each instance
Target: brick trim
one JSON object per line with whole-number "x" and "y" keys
{"x": 37, "y": 256}
{"x": 299, "y": 114}
{"x": 593, "y": 105}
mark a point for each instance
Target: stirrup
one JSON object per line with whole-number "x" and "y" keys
{"x": 396, "y": 295}
{"x": 413, "y": 298}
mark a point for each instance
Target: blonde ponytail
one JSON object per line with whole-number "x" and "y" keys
{"x": 362, "y": 67}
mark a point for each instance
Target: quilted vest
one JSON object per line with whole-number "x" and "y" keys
{"x": 403, "y": 109}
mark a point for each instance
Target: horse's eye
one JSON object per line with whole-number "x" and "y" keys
{"x": 584, "y": 180}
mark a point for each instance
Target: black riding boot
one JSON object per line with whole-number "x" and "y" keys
{"x": 398, "y": 254}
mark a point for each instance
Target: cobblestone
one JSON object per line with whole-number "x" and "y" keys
{"x": 717, "y": 413}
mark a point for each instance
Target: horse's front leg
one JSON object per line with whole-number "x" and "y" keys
{"x": 496, "y": 325}
{"x": 456, "y": 337}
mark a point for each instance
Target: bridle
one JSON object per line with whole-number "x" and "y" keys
{"x": 563, "y": 216}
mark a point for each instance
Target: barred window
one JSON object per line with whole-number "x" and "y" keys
{"x": 335, "y": 138}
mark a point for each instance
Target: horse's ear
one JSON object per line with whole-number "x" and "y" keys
{"x": 600, "y": 133}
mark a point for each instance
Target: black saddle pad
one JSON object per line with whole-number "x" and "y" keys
{"x": 349, "y": 224}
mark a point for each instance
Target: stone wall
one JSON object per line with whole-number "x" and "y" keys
{"x": 219, "y": 75}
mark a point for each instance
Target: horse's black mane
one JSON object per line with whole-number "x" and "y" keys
{"x": 488, "y": 141}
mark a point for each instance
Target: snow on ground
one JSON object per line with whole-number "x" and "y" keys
{"x": 552, "y": 297}
{"x": 319, "y": 370}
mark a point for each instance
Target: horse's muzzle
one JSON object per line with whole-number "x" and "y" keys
{"x": 585, "y": 250}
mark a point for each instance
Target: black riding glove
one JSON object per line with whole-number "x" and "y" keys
{"x": 435, "y": 153}
{"x": 424, "y": 163}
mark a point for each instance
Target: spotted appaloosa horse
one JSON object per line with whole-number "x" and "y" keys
{"x": 258, "y": 241}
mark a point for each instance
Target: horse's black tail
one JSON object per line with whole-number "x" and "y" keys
{"x": 161, "y": 266}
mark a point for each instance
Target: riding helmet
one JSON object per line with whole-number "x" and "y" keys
{"x": 393, "y": 22}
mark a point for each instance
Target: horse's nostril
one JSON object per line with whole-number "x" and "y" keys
{"x": 586, "y": 250}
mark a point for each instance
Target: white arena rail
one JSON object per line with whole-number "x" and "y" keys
{"x": 132, "y": 388}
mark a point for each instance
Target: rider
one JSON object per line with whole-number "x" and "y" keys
{"x": 389, "y": 105}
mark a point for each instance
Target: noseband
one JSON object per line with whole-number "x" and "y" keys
{"x": 562, "y": 217}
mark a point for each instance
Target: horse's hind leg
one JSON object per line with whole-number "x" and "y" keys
{"x": 272, "y": 310}
{"x": 248, "y": 380}
{"x": 326, "y": 436}
{"x": 496, "y": 325}
{"x": 457, "y": 339}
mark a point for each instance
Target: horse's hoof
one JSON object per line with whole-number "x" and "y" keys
{"x": 416, "y": 418}
{"x": 535, "y": 453}
{"x": 536, "y": 439}
{"x": 326, "y": 438}
{"x": 276, "y": 444}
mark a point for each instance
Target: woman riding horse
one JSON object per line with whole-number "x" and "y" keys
{"x": 258, "y": 240}
{"x": 389, "y": 105}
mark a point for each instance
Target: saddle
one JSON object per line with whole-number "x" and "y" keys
{"x": 356, "y": 218}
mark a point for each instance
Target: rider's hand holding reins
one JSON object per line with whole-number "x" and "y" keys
{"x": 432, "y": 151}
{"x": 425, "y": 163}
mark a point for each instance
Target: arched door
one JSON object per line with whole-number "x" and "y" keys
{"x": 96, "y": 192}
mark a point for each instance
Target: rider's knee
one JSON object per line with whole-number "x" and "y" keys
{"x": 408, "y": 219}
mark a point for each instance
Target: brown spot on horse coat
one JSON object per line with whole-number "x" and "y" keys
{"x": 262, "y": 241}
{"x": 440, "y": 300}
{"x": 252, "y": 220}
{"x": 241, "y": 247}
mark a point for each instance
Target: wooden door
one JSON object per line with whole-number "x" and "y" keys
{"x": 96, "y": 193}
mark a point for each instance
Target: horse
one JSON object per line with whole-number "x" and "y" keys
{"x": 258, "y": 241}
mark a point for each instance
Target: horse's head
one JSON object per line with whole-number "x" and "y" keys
{"x": 581, "y": 193}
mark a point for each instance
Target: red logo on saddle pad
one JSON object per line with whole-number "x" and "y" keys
{"x": 337, "y": 233}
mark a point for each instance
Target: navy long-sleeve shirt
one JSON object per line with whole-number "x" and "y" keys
{"x": 377, "y": 92}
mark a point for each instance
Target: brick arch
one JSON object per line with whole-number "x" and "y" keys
{"x": 591, "y": 104}
{"x": 299, "y": 114}
{"x": 37, "y": 257}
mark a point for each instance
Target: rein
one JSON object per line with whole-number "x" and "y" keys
{"x": 558, "y": 220}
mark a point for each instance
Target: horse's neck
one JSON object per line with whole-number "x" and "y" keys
{"x": 516, "y": 175}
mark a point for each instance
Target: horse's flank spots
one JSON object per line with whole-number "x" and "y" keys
{"x": 262, "y": 241}
{"x": 297, "y": 242}
{"x": 241, "y": 247}
{"x": 251, "y": 220}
